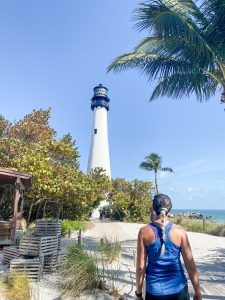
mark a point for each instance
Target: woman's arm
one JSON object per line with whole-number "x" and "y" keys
{"x": 190, "y": 265}
{"x": 140, "y": 262}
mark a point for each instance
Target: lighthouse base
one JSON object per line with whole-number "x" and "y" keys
{"x": 95, "y": 214}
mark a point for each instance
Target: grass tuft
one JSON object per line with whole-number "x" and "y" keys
{"x": 15, "y": 286}
{"x": 79, "y": 272}
{"x": 209, "y": 227}
{"x": 109, "y": 249}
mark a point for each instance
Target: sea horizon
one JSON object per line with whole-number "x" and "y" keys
{"x": 217, "y": 215}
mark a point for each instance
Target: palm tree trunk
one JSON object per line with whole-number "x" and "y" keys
{"x": 156, "y": 183}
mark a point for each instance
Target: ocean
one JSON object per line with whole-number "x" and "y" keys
{"x": 216, "y": 215}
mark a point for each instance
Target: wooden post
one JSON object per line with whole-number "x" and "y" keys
{"x": 79, "y": 238}
{"x": 203, "y": 224}
{"x": 16, "y": 198}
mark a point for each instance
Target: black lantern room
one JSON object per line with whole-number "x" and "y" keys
{"x": 100, "y": 98}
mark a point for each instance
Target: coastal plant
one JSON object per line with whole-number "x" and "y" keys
{"x": 59, "y": 187}
{"x": 153, "y": 162}
{"x": 184, "y": 48}
{"x": 79, "y": 272}
{"x": 69, "y": 225}
{"x": 129, "y": 200}
{"x": 15, "y": 286}
{"x": 218, "y": 230}
{"x": 109, "y": 249}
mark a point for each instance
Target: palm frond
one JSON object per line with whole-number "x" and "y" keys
{"x": 151, "y": 64}
{"x": 131, "y": 60}
{"x": 146, "y": 166}
{"x": 168, "y": 18}
{"x": 166, "y": 169}
{"x": 185, "y": 49}
{"x": 214, "y": 10}
{"x": 176, "y": 48}
{"x": 183, "y": 85}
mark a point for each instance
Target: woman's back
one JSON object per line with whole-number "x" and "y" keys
{"x": 164, "y": 274}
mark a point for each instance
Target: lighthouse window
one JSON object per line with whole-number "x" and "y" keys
{"x": 95, "y": 131}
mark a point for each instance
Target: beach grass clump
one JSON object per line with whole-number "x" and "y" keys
{"x": 15, "y": 286}
{"x": 191, "y": 225}
{"x": 110, "y": 249}
{"x": 79, "y": 272}
{"x": 218, "y": 230}
{"x": 209, "y": 227}
{"x": 194, "y": 226}
{"x": 68, "y": 225}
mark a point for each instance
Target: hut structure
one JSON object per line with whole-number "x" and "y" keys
{"x": 20, "y": 181}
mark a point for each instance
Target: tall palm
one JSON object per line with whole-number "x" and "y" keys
{"x": 184, "y": 49}
{"x": 153, "y": 162}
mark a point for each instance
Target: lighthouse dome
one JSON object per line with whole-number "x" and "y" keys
{"x": 100, "y": 98}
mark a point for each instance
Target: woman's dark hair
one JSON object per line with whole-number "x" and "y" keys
{"x": 160, "y": 202}
{"x": 162, "y": 205}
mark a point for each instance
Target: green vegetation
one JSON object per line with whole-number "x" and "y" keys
{"x": 130, "y": 200}
{"x": 15, "y": 286}
{"x": 208, "y": 227}
{"x": 218, "y": 230}
{"x": 84, "y": 271}
{"x": 59, "y": 187}
{"x": 109, "y": 249}
{"x": 184, "y": 50}
{"x": 68, "y": 225}
{"x": 153, "y": 162}
{"x": 79, "y": 272}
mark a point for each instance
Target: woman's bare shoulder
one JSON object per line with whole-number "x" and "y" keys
{"x": 144, "y": 229}
{"x": 179, "y": 229}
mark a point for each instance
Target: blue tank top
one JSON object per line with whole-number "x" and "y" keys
{"x": 164, "y": 275}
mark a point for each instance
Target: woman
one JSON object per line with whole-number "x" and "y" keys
{"x": 160, "y": 244}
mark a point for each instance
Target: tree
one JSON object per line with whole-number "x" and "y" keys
{"x": 153, "y": 162}
{"x": 130, "y": 200}
{"x": 184, "y": 50}
{"x": 31, "y": 145}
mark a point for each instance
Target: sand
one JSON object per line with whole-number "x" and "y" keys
{"x": 208, "y": 251}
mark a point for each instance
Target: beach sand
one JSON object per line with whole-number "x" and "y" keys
{"x": 208, "y": 251}
{"x": 209, "y": 254}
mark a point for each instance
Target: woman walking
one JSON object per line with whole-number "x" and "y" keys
{"x": 158, "y": 257}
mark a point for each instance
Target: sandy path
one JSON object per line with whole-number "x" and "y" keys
{"x": 209, "y": 254}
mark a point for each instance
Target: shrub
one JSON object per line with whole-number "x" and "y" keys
{"x": 212, "y": 228}
{"x": 218, "y": 229}
{"x": 79, "y": 272}
{"x": 72, "y": 226}
{"x": 109, "y": 249}
{"x": 16, "y": 286}
{"x": 130, "y": 199}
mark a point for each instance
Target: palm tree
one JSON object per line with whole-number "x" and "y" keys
{"x": 153, "y": 162}
{"x": 184, "y": 49}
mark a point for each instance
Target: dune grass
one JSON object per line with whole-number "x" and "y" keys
{"x": 110, "y": 249}
{"x": 15, "y": 286}
{"x": 79, "y": 271}
{"x": 208, "y": 227}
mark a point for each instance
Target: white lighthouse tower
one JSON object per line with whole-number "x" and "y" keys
{"x": 99, "y": 151}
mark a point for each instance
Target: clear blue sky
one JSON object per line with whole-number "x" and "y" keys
{"x": 54, "y": 52}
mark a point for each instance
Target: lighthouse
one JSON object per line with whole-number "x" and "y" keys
{"x": 99, "y": 150}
